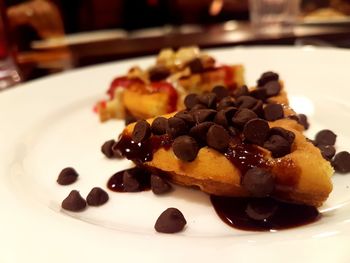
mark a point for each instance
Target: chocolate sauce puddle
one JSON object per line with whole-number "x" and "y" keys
{"x": 271, "y": 214}
{"x": 116, "y": 184}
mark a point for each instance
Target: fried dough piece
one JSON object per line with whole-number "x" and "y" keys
{"x": 302, "y": 176}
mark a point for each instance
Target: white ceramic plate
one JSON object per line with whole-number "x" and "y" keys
{"x": 49, "y": 124}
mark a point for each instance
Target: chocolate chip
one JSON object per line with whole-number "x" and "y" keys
{"x": 130, "y": 181}
{"x": 273, "y": 112}
{"x": 341, "y": 162}
{"x": 141, "y": 132}
{"x": 159, "y": 185}
{"x": 186, "y": 116}
{"x": 256, "y": 131}
{"x": 278, "y": 146}
{"x": 159, "y": 126}
{"x": 226, "y": 102}
{"x": 243, "y": 116}
{"x": 191, "y": 100}
{"x": 218, "y": 138}
{"x": 220, "y": 92}
{"x": 158, "y": 73}
{"x": 67, "y": 176}
{"x": 261, "y": 208}
{"x": 232, "y": 131}
{"x": 327, "y": 151}
{"x": 259, "y": 94}
{"x": 198, "y": 107}
{"x": 241, "y": 91}
{"x": 74, "y": 202}
{"x": 196, "y": 65}
{"x": 176, "y": 127}
{"x": 208, "y": 99}
{"x": 199, "y": 132}
{"x": 246, "y": 102}
{"x": 97, "y": 197}
{"x": 117, "y": 153}
{"x": 258, "y": 108}
{"x": 129, "y": 118}
{"x": 258, "y": 182}
{"x": 204, "y": 115}
{"x": 106, "y": 149}
{"x": 302, "y": 119}
{"x": 170, "y": 221}
{"x": 288, "y": 135}
{"x": 185, "y": 148}
{"x": 266, "y": 77}
{"x": 272, "y": 88}
{"x": 223, "y": 117}
{"x": 325, "y": 137}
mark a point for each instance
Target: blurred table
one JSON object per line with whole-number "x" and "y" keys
{"x": 150, "y": 41}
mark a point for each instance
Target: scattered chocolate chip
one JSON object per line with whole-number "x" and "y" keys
{"x": 73, "y": 202}
{"x": 204, "y": 115}
{"x": 191, "y": 100}
{"x": 325, "y": 137}
{"x": 159, "y": 185}
{"x": 196, "y": 65}
{"x": 273, "y": 112}
{"x": 159, "y": 126}
{"x": 278, "y": 146}
{"x": 67, "y": 176}
{"x": 327, "y": 151}
{"x": 218, "y": 138}
{"x": 107, "y": 150}
{"x": 220, "y": 92}
{"x": 226, "y": 102}
{"x": 241, "y": 91}
{"x": 272, "y": 88}
{"x": 208, "y": 99}
{"x": 97, "y": 197}
{"x": 170, "y": 221}
{"x": 258, "y": 108}
{"x": 259, "y": 94}
{"x": 141, "y": 132}
{"x": 267, "y": 77}
{"x": 130, "y": 181}
{"x": 116, "y": 151}
{"x": 199, "y": 132}
{"x": 186, "y": 116}
{"x": 288, "y": 135}
{"x": 243, "y": 116}
{"x": 185, "y": 148}
{"x": 176, "y": 127}
{"x": 261, "y": 208}
{"x": 246, "y": 102}
{"x": 258, "y": 182}
{"x": 158, "y": 73}
{"x": 256, "y": 131}
{"x": 302, "y": 119}
{"x": 341, "y": 162}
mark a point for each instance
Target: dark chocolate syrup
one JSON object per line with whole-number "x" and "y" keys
{"x": 262, "y": 214}
{"x": 143, "y": 151}
{"x": 115, "y": 183}
{"x": 245, "y": 156}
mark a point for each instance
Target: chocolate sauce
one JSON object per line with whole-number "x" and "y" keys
{"x": 263, "y": 214}
{"x": 143, "y": 151}
{"x": 116, "y": 184}
{"x": 245, "y": 156}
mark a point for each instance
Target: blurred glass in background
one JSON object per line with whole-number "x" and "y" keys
{"x": 9, "y": 73}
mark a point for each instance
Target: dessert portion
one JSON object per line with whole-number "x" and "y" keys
{"x": 161, "y": 88}
{"x": 244, "y": 143}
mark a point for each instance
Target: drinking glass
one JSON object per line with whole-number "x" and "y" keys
{"x": 273, "y": 16}
{"x": 9, "y": 73}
